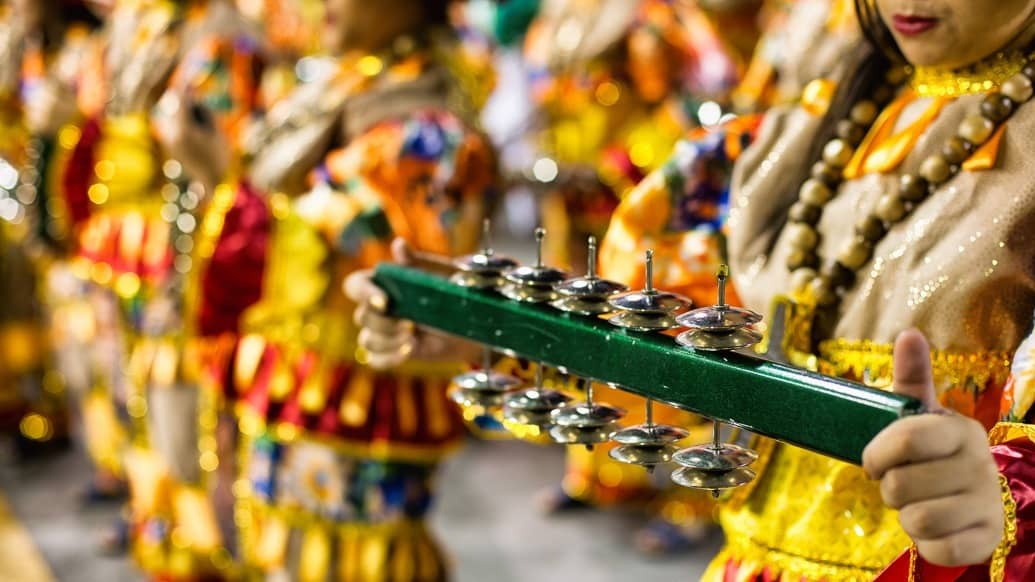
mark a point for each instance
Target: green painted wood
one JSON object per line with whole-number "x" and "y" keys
{"x": 827, "y": 415}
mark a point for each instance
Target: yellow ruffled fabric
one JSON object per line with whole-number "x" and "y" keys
{"x": 402, "y": 550}
{"x": 194, "y": 544}
{"x": 810, "y": 518}
{"x": 874, "y": 362}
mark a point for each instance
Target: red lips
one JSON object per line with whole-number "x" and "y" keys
{"x": 913, "y": 25}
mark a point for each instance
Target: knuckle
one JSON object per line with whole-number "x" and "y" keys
{"x": 905, "y": 446}
{"x": 892, "y": 489}
{"x": 920, "y": 522}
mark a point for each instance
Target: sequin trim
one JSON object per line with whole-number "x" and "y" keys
{"x": 997, "y": 569}
{"x": 874, "y": 362}
{"x": 980, "y": 78}
{"x": 1007, "y": 431}
{"x": 913, "y": 555}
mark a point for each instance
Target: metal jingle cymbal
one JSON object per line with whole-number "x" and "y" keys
{"x": 535, "y": 276}
{"x": 713, "y": 480}
{"x": 528, "y": 293}
{"x": 586, "y": 415}
{"x": 486, "y": 263}
{"x": 719, "y": 318}
{"x": 527, "y": 406}
{"x": 526, "y": 417}
{"x": 482, "y": 390}
{"x": 649, "y": 302}
{"x": 592, "y": 287}
{"x": 647, "y": 456}
{"x": 583, "y": 305}
{"x": 479, "y": 401}
{"x": 642, "y": 322}
{"x": 575, "y": 435}
{"x": 482, "y": 381}
{"x": 725, "y": 457}
{"x": 645, "y": 435}
{"x": 475, "y": 280}
{"x": 703, "y": 340}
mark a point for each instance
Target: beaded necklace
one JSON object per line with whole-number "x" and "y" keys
{"x": 827, "y": 281}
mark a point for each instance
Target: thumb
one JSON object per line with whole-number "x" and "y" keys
{"x": 401, "y": 251}
{"x": 360, "y": 288}
{"x": 913, "y": 376}
{"x": 404, "y": 254}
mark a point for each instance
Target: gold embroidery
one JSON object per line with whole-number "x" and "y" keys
{"x": 980, "y": 78}
{"x": 873, "y": 363}
{"x": 997, "y": 569}
{"x": 913, "y": 552}
{"x": 1007, "y": 431}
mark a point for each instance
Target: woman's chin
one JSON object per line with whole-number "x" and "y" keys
{"x": 925, "y": 55}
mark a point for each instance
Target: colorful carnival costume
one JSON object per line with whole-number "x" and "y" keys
{"x": 39, "y": 59}
{"x": 921, "y": 223}
{"x": 138, "y": 218}
{"x": 915, "y": 278}
{"x": 337, "y": 459}
{"x": 616, "y": 84}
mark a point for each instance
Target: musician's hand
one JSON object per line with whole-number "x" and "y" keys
{"x": 387, "y": 341}
{"x": 937, "y": 470}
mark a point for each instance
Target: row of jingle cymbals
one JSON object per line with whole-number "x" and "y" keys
{"x": 713, "y": 466}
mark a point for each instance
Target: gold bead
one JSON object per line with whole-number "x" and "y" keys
{"x": 957, "y": 150}
{"x": 864, "y": 113}
{"x": 976, "y": 129}
{"x": 896, "y": 75}
{"x": 837, "y": 153}
{"x": 801, "y": 279}
{"x": 870, "y": 229}
{"x": 1018, "y": 88}
{"x": 935, "y": 170}
{"x": 912, "y": 188}
{"x": 815, "y": 192}
{"x": 802, "y": 236}
{"x": 800, "y": 258}
{"x": 890, "y": 208}
{"x": 823, "y": 292}
{"x": 856, "y": 254}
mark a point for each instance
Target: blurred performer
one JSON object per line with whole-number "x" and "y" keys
{"x": 231, "y": 242}
{"x": 187, "y": 73}
{"x": 615, "y": 85}
{"x": 41, "y": 45}
{"x": 337, "y": 460}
